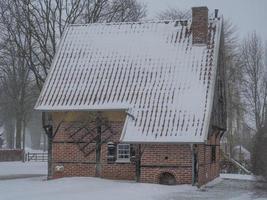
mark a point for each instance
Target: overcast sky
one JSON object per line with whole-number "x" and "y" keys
{"x": 247, "y": 15}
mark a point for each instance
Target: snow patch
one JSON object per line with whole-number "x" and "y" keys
{"x": 20, "y": 168}
{"x": 238, "y": 177}
{"x": 81, "y": 188}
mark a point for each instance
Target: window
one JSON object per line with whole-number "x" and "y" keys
{"x": 111, "y": 157}
{"x": 213, "y": 153}
{"x": 123, "y": 153}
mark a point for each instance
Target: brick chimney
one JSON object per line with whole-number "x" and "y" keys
{"x": 199, "y": 25}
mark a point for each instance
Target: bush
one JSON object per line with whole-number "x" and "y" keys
{"x": 259, "y": 154}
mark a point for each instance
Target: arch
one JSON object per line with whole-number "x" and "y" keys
{"x": 167, "y": 178}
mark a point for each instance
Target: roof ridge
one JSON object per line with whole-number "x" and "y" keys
{"x": 140, "y": 22}
{"x": 137, "y": 22}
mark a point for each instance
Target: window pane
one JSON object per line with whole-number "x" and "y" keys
{"x": 123, "y": 152}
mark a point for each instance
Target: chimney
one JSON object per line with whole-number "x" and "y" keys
{"x": 216, "y": 13}
{"x": 199, "y": 25}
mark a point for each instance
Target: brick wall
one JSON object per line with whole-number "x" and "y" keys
{"x": 67, "y": 154}
{"x": 174, "y": 159}
{"x": 199, "y": 25}
{"x": 11, "y": 155}
{"x": 207, "y": 169}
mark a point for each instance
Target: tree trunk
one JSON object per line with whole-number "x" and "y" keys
{"x": 9, "y": 133}
{"x": 138, "y": 163}
{"x": 24, "y": 139}
{"x": 45, "y": 142}
{"x": 49, "y": 160}
{"x": 98, "y": 147}
{"x": 48, "y": 128}
{"x": 18, "y": 132}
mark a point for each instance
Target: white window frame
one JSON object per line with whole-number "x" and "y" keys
{"x": 121, "y": 155}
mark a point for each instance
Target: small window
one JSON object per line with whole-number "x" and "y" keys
{"x": 111, "y": 157}
{"x": 213, "y": 153}
{"x": 123, "y": 153}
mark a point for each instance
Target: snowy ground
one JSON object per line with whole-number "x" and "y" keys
{"x": 238, "y": 177}
{"x": 19, "y": 168}
{"x": 30, "y": 150}
{"x": 102, "y": 189}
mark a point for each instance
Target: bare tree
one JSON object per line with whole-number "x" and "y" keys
{"x": 254, "y": 91}
{"x": 125, "y": 11}
{"x": 254, "y": 80}
{"x": 113, "y": 11}
{"x": 174, "y": 14}
{"x": 44, "y": 21}
{"x": 7, "y": 122}
{"x": 15, "y": 96}
{"x": 235, "y": 107}
{"x": 15, "y": 80}
{"x": 31, "y": 30}
{"x": 259, "y": 153}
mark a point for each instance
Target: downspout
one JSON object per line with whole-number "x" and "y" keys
{"x": 195, "y": 164}
{"x": 192, "y": 153}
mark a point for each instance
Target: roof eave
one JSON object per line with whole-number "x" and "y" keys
{"x": 163, "y": 142}
{"x": 79, "y": 109}
{"x": 217, "y": 44}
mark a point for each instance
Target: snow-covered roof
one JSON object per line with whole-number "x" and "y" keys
{"x": 150, "y": 69}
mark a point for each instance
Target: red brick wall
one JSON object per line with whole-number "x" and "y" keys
{"x": 66, "y": 153}
{"x": 174, "y": 159}
{"x": 11, "y": 155}
{"x": 199, "y": 25}
{"x": 208, "y": 170}
{"x": 156, "y": 159}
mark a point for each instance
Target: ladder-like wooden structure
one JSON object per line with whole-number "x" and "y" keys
{"x": 97, "y": 132}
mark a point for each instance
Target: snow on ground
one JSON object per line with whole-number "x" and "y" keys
{"x": 20, "y": 168}
{"x": 238, "y": 177}
{"x": 80, "y": 188}
{"x": 83, "y": 188}
{"x": 30, "y": 150}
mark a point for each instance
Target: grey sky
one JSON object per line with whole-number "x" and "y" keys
{"x": 247, "y": 15}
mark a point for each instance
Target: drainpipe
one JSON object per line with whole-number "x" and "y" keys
{"x": 193, "y": 166}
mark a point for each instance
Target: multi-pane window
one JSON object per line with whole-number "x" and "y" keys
{"x": 123, "y": 153}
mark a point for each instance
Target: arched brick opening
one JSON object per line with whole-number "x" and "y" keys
{"x": 166, "y": 178}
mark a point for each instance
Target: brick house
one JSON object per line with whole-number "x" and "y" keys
{"x": 138, "y": 101}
